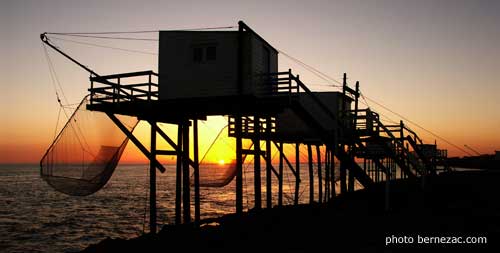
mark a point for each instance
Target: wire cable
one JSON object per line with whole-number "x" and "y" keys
{"x": 147, "y": 31}
{"x": 104, "y": 37}
{"x": 419, "y": 126}
{"x": 312, "y": 69}
{"x": 103, "y": 46}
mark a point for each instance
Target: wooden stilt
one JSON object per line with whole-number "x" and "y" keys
{"x": 134, "y": 140}
{"x": 343, "y": 169}
{"x": 327, "y": 175}
{"x": 197, "y": 211}
{"x": 311, "y": 174}
{"x": 350, "y": 181}
{"x": 239, "y": 165}
{"x": 280, "y": 172}
{"x": 320, "y": 176}
{"x": 332, "y": 167}
{"x": 343, "y": 176}
{"x": 178, "y": 177}
{"x": 152, "y": 182}
{"x": 297, "y": 173}
{"x": 256, "y": 172}
{"x": 238, "y": 124}
{"x": 269, "y": 193}
{"x": 186, "y": 193}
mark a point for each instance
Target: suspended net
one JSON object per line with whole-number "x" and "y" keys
{"x": 86, "y": 152}
{"x": 218, "y": 166}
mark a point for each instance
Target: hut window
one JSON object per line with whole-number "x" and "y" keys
{"x": 211, "y": 53}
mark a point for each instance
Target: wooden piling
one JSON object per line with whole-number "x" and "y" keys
{"x": 197, "y": 211}
{"x": 332, "y": 168}
{"x": 343, "y": 175}
{"x": 297, "y": 173}
{"x": 320, "y": 176}
{"x": 178, "y": 177}
{"x": 152, "y": 181}
{"x": 186, "y": 195}
{"x": 239, "y": 165}
{"x": 311, "y": 174}
{"x": 350, "y": 181}
{"x": 256, "y": 172}
{"x": 280, "y": 178}
{"x": 327, "y": 176}
{"x": 269, "y": 193}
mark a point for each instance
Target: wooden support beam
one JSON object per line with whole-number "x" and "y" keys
{"x": 238, "y": 126}
{"x": 332, "y": 168}
{"x": 174, "y": 146}
{"x": 311, "y": 174}
{"x": 269, "y": 166}
{"x": 166, "y": 152}
{"x": 280, "y": 178}
{"x": 327, "y": 176}
{"x": 239, "y": 165}
{"x": 320, "y": 176}
{"x": 297, "y": 173}
{"x": 290, "y": 166}
{"x": 273, "y": 170}
{"x": 178, "y": 177}
{"x": 186, "y": 193}
{"x": 350, "y": 181}
{"x": 152, "y": 181}
{"x": 252, "y": 152}
{"x": 256, "y": 172}
{"x": 134, "y": 140}
{"x": 197, "y": 212}
{"x": 343, "y": 174}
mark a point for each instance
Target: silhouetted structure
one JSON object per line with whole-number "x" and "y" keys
{"x": 235, "y": 73}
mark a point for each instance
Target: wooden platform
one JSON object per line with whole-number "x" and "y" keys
{"x": 195, "y": 108}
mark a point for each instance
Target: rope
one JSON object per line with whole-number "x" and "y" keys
{"x": 109, "y": 47}
{"x": 98, "y": 36}
{"x": 129, "y": 32}
{"x": 53, "y": 77}
{"x": 55, "y": 80}
{"x": 105, "y": 37}
{"x": 147, "y": 31}
{"x": 57, "y": 123}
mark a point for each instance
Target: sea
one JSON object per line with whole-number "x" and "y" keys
{"x": 36, "y": 218}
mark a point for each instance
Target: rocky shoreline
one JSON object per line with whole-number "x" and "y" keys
{"x": 456, "y": 204}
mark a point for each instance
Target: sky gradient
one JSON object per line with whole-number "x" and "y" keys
{"x": 435, "y": 62}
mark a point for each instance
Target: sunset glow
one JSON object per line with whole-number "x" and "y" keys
{"x": 419, "y": 59}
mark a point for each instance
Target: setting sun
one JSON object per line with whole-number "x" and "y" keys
{"x": 221, "y": 162}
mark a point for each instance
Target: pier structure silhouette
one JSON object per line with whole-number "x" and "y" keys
{"x": 234, "y": 73}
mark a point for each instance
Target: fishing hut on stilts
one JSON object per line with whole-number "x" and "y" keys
{"x": 235, "y": 74}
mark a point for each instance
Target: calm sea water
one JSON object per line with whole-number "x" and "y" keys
{"x": 36, "y": 218}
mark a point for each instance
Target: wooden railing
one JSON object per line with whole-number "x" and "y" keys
{"x": 118, "y": 88}
{"x": 248, "y": 125}
{"x": 276, "y": 83}
{"x": 285, "y": 83}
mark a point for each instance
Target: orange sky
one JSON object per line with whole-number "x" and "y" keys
{"x": 434, "y": 62}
